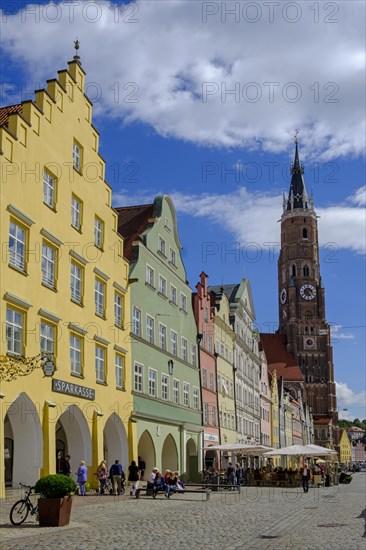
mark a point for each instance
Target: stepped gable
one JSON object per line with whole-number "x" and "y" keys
{"x": 279, "y": 358}
{"x": 132, "y": 221}
{"x": 5, "y": 112}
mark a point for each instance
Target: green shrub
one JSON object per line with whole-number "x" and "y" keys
{"x": 55, "y": 486}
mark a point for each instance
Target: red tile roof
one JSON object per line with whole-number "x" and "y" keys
{"x": 6, "y": 111}
{"x": 279, "y": 358}
{"x": 132, "y": 221}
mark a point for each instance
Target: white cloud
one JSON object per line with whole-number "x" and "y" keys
{"x": 347, "y": 398}
{"x": 169, "y": 53}
{"x": 359, "y": 196}
{"x": 337, "y": 334}
{"x": 251, "y": 218}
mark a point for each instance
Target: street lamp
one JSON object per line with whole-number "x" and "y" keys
{"x": 170, "y": 366}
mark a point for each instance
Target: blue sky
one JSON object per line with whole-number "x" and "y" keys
{"x": 202, "y": 104}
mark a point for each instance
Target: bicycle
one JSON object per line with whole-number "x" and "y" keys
{"x": 20, "y": 510}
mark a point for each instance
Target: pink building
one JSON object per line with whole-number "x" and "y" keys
{"x": 204, "y": 315}
{"x": 265, "y": 401}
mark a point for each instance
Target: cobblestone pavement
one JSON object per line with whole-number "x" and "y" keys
{"x": 259, "y": 518}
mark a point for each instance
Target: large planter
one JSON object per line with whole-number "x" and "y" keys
{"x": 54, "y": 512}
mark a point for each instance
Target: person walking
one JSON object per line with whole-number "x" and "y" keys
{"x": 141, "y": 465}
{"x": 82, "y": 477}
{"x": 116, "y": 474}
{"x": 238, "y": 473}
{"x": 305, "y": 477}
{"x": 230, "y": 474}
{"x": 133, "y": 477}
{"x": 102, "y": 476}
{"x": 66, "y": 468}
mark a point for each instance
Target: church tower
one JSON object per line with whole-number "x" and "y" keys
{"x": 302, "y": 304}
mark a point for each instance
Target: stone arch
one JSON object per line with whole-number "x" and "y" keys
{"x": 191, "y": 459}
{"x": 23, "y": 428}
{"x": 146, "y": 449}
{"x": 115, "y": 442}
{"x": 169, "y": 454}
{"x": 211, "y": 459}
{"x": 74, "y": 426}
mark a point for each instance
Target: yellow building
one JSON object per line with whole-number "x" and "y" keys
{"x": 64, "y": 290}
{"x": 345, "y": 449}
{"x": 224, "y": 350}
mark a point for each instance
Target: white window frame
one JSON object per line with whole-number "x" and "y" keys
{"x": 213, "y": 412}
{"x": 184, "y": 348}
{"x": 172, "y": 257}
{"x": 186, "y": 394}
{"x": 119, "y": 365}
{"x": 99, "y": 297}
{"x": 17, "y": 245}
{"x": 150, "y": 328}
{"x": 206, "y": 416}
{"x": 194, "y": 355}
{"x": 14, "y": 331}
{"x": 47, "y": 337}
{"x": 49, "y": 189}
{"x": 176, "y": 391}
{"x": 138, "y": 377}
{"x": 76, "y": 212}
{"x": 161, "y": 245}
{"x": 173, "y": 294}
{"x": 162, "y": 336}
{"x": 100, "y": 363}
{"x": 118, "y": 309}
{"x": 150, "y": 275}
{"x": 162, "y": 285}
{"x": 165, "y": 387}
{"x": 152, "y": 379}
{"x": 98, "y": 232}
{"x": 76, "y": 156}
{"x": 76, "y": 280}
{"x": 211, "y": 383}
{"x": 196, "y": 399}
{"x": 136, "y": 321}
{"x": 49, "y": 259}
{"x": 173, "y": 343}
{"x": 183, "y": 302}
{"x": 76, "y": 354}
{"x": 204, "y": 378}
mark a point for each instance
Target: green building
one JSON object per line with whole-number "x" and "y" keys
{"x": 165, "y": 370}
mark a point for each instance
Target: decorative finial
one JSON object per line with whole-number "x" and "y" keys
{"x": 77, "y": 46}
{"x": 296, "y": 134}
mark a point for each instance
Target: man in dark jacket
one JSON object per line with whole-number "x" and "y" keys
{"x": 66, "y": 468}
{"x": 116, "y": 475}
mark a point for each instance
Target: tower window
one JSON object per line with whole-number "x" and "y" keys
{"x": 293, "y": 270}
{"x": 304, "y": 233}
{"x": 306, "y": 271}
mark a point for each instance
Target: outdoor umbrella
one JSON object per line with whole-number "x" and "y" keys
{"x": 296, "y": 450}
{"x": 322, "y": 450}
{"x": 240, "y": 448}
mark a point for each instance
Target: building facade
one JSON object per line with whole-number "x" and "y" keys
{"x": 265, "y": 401}
{"x": 345, "y": 449}
{"x": 301, "y": 294}
{"x": 204, "y": 314}
{"x": 165, "y": 375}
{"x": 64, "y": 290}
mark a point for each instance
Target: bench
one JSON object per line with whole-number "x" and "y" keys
{"x": 149, "y": 492}
{"x": 215, "y": 486}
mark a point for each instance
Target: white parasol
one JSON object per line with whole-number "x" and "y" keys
{"x": 298, "y": 450}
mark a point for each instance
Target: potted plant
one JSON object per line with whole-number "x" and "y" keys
{"x": 54, "y": 506}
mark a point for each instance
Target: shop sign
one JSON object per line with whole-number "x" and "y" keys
{"x": 69, "y": 388}
{"x": 210, "y": 437}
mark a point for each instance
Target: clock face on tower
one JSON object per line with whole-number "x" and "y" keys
{"x": 309, "y": 343}
{"x": 283, "y": 296}
{"x": 308, "y": 292}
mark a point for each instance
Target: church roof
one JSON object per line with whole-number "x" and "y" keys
{"x": 279, "y": 358}
{"x": 297, "y": 197}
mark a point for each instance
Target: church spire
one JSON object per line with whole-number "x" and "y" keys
{"x": 297, "y": 197}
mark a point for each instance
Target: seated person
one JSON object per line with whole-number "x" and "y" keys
{"x": 159, "y": 484}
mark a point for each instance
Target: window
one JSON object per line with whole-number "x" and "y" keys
{"x": 293, "y": 271}
{"x": 210, "y": 346}
{"x": 306, "y": 271}
{"x": 218, "y": 383}
{"x": 172, "y": 256}
{"x": 164, "y": 387}
{"x": 162, "y": 285}
{"x": 75, "y": 354}
{"x": 195, "y": 398}
{"x": 48, "y": 265}
{"x": 119, "y": 366}
{"x": 173, "y": 294}
{"x": 14, "y": 331}
{"x": 100, "y": 363}
{"x": 173, "y": 342}
{"x": 150, "y": 329}
{"x": 205, "y": 413}
{"x": 99, "y": 297}
{"x": 161, "y": 245}
{"x": 304, "y": 233}
{"x": 204, "y": 378}
{"x": 150, "y": 276}
{"x": 205, "y": 316}
{"x": 136, "y": 321}
{"x": 184, "y": 349}
{"x": 76, "y": 209}
{"x": 211, "y": 381}
{"x": 176, "y": 392}
{"x": 214, "y": 423}
{"x": 138, "y": 374}
{"x": 49, "y": 189}
{"x": 186, "y": 394}
{"x": 167, "y": 224}
{"x": 162, "y": 336}
{"x": 47, "y": 338}
{"x": 76, "y": 282}
{"x": 183, "y": 302}
{"x": 98, "y": 232}
{"x": 194, "y": 355}
{"x": 77, "y": 156}
{"x": 118, "y": 310}
{"x": 17, "y": 243}
{"x": 152, "y": 383}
